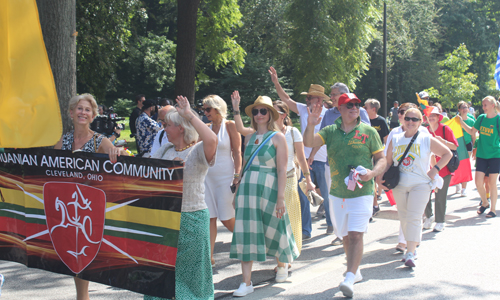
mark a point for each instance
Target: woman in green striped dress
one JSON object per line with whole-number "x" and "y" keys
{"x": 262, "y": 226}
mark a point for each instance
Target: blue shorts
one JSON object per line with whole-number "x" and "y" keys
{"x": 488, "y": 166}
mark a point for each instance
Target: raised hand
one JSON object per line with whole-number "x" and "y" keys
{"x": 183, "y": 107}
{"x": 314, "y": 115}
{"x": 274, "y": 75}
{"x": 235, "y": 99}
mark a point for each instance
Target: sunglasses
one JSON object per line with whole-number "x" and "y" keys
{"x": 263, "y": 111}
{"x": 401, "y": 112}
{"x": 208, "y": 109}
{"x": 463, "y": 107}
{"x": 350, "y": 105}
{"x": 412, "y": 119}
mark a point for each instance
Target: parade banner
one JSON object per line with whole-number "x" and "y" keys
{"x": 81, "y": 215}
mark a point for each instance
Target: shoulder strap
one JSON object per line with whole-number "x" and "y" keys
{"x": 293, "y": 140}
{"x": 481, "y": 121}
{"x": 444, "y": 133}
{"x": 247, "y": 165}
{"x": 498, "y": 130}
{"x": 407, "y": 148}
{"x": 95, "y": 145}
{"x": 162, "y": 134}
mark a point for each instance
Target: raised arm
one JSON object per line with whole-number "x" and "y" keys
{"x": 470, "y": 130}
{"x": 206, "y": 134}
{"x": 310, "y": 138}
{"x": 281, "y": 92}
{"x": 235, "y": 99}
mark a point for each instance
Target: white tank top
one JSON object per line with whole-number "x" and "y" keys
{"x": 417, "y": 162}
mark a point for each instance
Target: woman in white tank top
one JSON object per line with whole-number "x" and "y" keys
{"x": 218, "y": 195}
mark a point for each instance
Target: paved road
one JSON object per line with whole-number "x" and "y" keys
{"x": 462, "y": 262}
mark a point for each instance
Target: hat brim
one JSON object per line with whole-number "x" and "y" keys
{"x": 325, "y": 97}
{"x": 440, "y": 116}
{"x": 274, "y": 112}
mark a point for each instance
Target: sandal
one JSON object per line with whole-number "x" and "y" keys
{"x": 491, "y": 215}
{"x": 400, "y": 249}
{"x": 481, "y": 209}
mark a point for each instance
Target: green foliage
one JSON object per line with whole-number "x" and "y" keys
{"x": 123, "y": 107}
{"x": 456, "y": 84}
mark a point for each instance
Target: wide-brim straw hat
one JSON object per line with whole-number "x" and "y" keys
{"x": 316, "y": 90}
{"x": 263, "y": 101}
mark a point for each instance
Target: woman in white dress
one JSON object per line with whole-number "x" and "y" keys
{"x": 219, "y": 179}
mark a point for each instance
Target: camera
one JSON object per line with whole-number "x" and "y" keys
{"x": 107, "y": 122}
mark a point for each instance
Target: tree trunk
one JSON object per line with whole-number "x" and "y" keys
{"x": 58, "y": 22}
{"x": 187, "y": 16}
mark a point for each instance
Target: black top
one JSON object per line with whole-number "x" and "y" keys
{"x": 380, "y": 125}
{"x": 133, "y": 116}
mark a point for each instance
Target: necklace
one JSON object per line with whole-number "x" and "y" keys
{"x": 180, "y": 150}
{"x": 257, "y": 138}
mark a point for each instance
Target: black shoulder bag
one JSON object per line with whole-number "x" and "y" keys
{"x": 454, "y": 161}
{"x": 391, "y": 177}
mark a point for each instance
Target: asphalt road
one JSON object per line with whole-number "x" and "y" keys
{"x": 462, "y": 262}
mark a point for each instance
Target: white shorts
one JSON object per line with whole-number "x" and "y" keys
{"x": 350, "y": 214}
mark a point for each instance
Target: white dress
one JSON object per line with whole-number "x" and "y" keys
{"x": 218, "y": 195}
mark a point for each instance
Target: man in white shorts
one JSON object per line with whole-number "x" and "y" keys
{"x": 350, "y": 144}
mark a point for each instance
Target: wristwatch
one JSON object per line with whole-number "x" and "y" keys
{"x": 236, "y": 112}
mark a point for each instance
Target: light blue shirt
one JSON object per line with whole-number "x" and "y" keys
{"x": 333, "y": 114}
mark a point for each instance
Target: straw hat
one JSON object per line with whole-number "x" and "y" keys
{"x": 316, "y": 90}
{"x": 264, "y": 101}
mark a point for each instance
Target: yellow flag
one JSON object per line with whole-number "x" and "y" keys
{"x": 454, "y": 124}
{"x": 423, "y": 103}
{"x": 29, "y": 109}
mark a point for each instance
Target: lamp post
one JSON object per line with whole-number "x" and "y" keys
{"x": 384, "y": 92}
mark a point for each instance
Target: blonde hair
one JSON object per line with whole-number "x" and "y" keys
{"x": 373, "y": 103}
{"x": 190, "y": 133}
{"x": 283, "y": 107}
{"x": 493, "y": 101}
{"x": 218, "y": 103}
{"x": 271, "y": 125}
{"x": 73, "y": 102}
{"x": 416, "y": 111}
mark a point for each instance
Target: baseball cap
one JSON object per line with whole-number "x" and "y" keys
{"x": 148, "y": 103}
{"x": 348, "y": 97}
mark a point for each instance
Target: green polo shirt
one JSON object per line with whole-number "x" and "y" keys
{"x": 354, "y": 148}
{"x": 489, "y": 144}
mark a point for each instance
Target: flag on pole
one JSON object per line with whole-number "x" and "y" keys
{"x": 29, "y": 110}
{"x": 423, "y": 103}
{"x": 454, "y": 124}
{"x": 497, "y": 69}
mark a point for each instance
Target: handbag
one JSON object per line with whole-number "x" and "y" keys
{"x": 249, "y": 162}
{"x": 391, "y": 177}
{"x": 314, "y": 198}
{"x": 454, "y": 161}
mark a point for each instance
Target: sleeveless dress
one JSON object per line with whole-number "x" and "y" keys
{"x": 218, "y": 195}
{"x": 258, "y": 232}
{"x": 90, "y": 146}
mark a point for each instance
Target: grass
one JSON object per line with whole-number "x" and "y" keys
{"x": 125, "y": 135}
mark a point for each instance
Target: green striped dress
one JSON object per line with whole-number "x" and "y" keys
{"x": 257, "y": 231}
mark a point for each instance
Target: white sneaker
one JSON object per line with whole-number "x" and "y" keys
{"x": 358, "y": 277}
{"x": 347, "y": 288}
{"x": 463, "y": 193}
{"x": 282, "y": 274}
{"x": 243, "y": 290}
{"x": 439, "y": 227}
{"x": 410, "y": 260}
{"x": 428, "y": 222}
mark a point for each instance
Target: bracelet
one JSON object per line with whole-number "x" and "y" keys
{"x": 236, "y": 113}
{"x": 307, "y": 174}
{"x": 236, "y": 175}
{"x": 116, "y": 134}
{"x": 438, "y": 168}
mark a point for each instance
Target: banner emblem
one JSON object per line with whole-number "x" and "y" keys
{"x": 76, "y": 222}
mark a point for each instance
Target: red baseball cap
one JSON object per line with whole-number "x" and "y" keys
{"x": 348, "y": 97}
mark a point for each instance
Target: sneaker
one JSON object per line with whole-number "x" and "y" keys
{"x": 2, "y": 279}
{"x": 306, "y": 237}
{"x": 463, "y": 193}
{"x": 321, "y": 211}
{"x": 410, "y": 260}
{"x": 379, "y": 197}
{"x": 243, "y": 290}
{"x": 282, "y": 274}
{"x": 337, "y": 242}
{"x": 439, "y": 227}
{"x": 428, "y": 222}
{"x": 347, "y": 288}
{"x": 358, "y": 276}
{"x": 457, "y": 188}
{"x": 329, "y": 230}
{"x": 376, "y": 209}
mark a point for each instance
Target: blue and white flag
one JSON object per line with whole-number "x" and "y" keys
{"x": 497, "y": 70}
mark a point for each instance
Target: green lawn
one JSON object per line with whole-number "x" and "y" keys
{"x": 125, "y": 135}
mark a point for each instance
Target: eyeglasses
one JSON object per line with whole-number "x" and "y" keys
{"x": 350, "y": 105}
{"x": 263, "y": 111}
{"x": 463, "y": 107}
{"x": 401, "y": 112}
{"x": 412, "y": 119}
{"x": 207, "y": 109}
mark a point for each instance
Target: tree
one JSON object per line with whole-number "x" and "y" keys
{"x": 456, "y": 84}
{"x": 57, "y": 19}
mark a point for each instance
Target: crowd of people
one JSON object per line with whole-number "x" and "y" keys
{"x": 247, "y": 177}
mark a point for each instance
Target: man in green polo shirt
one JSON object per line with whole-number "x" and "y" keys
{"x": 350, "y": 144}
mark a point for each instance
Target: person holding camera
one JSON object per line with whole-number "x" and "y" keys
{"x": 146, "y": 128}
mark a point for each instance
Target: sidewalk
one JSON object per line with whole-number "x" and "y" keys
{"x": 459, "y": 263}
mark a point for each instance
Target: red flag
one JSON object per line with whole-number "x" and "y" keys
{"x": 390, "y": 196}
{"x": 463, "y": 173}
{"x": 428, "y": 110}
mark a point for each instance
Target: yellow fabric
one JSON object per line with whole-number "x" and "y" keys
{"x": 454, "y": 124}
{"x": 420, "y": 101}
{"x": 292, "y": 204}
{"x": 29, "y": 109}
